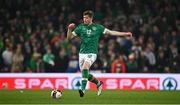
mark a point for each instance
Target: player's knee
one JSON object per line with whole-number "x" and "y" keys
{"x": 86, "y": 65}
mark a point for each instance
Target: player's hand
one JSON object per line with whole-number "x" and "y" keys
{"x": 129, "y": 34}
{"x": 71, "y": 26}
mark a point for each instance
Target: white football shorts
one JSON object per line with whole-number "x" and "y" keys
{"x": 91, "y": 58}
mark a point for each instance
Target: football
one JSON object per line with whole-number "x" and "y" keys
{"x": 56, "y": 94}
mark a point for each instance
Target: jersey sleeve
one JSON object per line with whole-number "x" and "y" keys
{"x": 102, "y": 29}
{"x": 76, "y": 31}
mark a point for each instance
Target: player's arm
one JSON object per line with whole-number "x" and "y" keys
{"x": 117, "y": 33}
{"x": 70, "y": 34}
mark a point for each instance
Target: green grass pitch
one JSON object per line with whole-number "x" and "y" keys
{"x": 107, "y": 97}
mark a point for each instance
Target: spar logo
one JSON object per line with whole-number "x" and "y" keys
{"x": 41, "y": 83}
{"x": 169, "y": 83}
{"x": 34, "y": 83}
{"x": 137, "y": 83}
{"x": 76, "y": 83}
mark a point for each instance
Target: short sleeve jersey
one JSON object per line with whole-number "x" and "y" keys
{"x": 89, "y": 35}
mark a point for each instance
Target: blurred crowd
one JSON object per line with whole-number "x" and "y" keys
{"x": 33, "y": 35}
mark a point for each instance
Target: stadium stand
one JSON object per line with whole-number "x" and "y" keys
{"x": 31, "y": 29}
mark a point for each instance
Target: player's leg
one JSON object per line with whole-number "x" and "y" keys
{"x": 91, "y": 78}
{"x": 84, "y": 66}
{"x": 99, "y": 83}
{"x": 85, "y": 72}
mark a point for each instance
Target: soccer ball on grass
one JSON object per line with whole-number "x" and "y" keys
{"x": 56, "y": 93}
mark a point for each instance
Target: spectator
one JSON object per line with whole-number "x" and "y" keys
{"x": 112, "y": 57}
{"x": 61, "y": 61}
{"x": 7, "y": 58}
{"x": 73, "y": 65}
{"x": 27, "y": 51}
{"x": 48, "y": 60}
{"x": 143, "y": 63}
{"x": 17, "y": 60}
{"x": 132, "y": 65}
{"x": 174, "y": 59}
{"x": 36, "y": 64}
{"x": 118, "y": 65}
{"x": 161, "y": 62}
{"x": 149, "y": 54}
{"x": 156, "y": 37}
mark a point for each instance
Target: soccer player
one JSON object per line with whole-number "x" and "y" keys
{"x": 89, "y": 34}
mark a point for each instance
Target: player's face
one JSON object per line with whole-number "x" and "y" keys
{"x": 87, "y": 19}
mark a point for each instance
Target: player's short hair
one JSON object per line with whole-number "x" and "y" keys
{"x": 89, "y": 13}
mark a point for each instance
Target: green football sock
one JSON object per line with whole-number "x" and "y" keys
{"x": 84, "y": 78}
{"x": 92, "y": 79}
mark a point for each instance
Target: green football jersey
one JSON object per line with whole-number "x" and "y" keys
{"x": 89, "y": 35}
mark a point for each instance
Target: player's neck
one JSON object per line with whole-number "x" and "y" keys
{"x": 90, "y": 23}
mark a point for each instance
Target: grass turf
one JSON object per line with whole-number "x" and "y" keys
{"x": 108, "y": 97}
